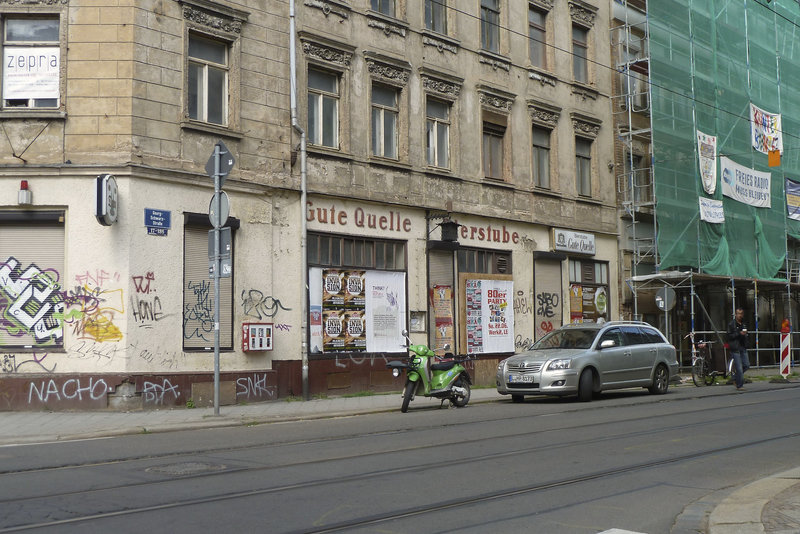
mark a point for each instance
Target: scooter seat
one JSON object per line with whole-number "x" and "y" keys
{"x": 444, "y": 366}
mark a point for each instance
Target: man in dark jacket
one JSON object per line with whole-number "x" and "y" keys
{"x": 737, "y": 342}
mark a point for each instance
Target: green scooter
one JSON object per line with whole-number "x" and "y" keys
{"x": 447, "y": 380}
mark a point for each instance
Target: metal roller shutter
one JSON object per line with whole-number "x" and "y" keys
{"x": 198, "y": 296}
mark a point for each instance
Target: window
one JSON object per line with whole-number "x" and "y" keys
{"x": 208, "y": 80}
{"x": 31, "y": 63}
{"x": 483, "y": 261}
{"x": 541, "y": 157}
{"x": 436, "y": 15}
{"x": 613, "y": 334}
{"x": 198, "y": 292}
{"x": 493, "y": 135}
{"x": 335, "y": 251}
{"x": 583, "y": 166}
{"x": 589, "y": 282}
{"x": 323, "y": 108}
{"x": 537, "y": 37}
{"x": 383, "y": 6}
{"x": 34, "y": 294}
{"x": 638, "y": 178}
{"x": 438, "y": 133}
{"x": 580, "y": 54}
{"x": 490, "y": 25}
{"x": 384, "y": 121}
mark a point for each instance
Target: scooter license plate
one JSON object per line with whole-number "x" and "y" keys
{"x": 520, "y": 378}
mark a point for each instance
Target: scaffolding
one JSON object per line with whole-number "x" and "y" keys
{"x": 686, "y": 67}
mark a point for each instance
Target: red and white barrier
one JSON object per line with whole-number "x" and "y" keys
{"x": 785, "y": 358}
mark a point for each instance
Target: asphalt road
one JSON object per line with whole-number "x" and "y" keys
{"x": 628, "y": 461}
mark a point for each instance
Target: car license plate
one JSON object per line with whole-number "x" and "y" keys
{"x": 520, "y": 378}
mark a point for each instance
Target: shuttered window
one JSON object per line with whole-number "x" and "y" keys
{"x": 198, "y": 295}
{"x": 32, "y": 280}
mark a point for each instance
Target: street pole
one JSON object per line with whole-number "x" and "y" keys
{"x": 217, "y": 223}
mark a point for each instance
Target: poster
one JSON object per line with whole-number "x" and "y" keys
{"x": 707, "y": 154}
{"x": 575, "y": 303}
{"x": 385, "y": 308}
{"x": 744, "y": 184}
{"x": 765, "y": 130}
{"x": 711, "y": 210}
{"x": 442, "y": 304}
{"x": 793, "y": 199}
{"x": 489, "y": 316}
{"x": 474, "y": 296}
{"x": 356, "y": 311}
{"x": 29, "y": 75}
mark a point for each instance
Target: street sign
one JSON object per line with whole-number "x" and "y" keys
{"x": 665, "y": 298}
{"x": 157, "y": 218}
{"x": 224, "y": 243}
{"x": 226, "y": 162}
{"x": 219, "y": 219}
{"x": 225, "y": 268}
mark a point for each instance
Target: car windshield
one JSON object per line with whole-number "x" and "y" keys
{"x": 567, "y": 339}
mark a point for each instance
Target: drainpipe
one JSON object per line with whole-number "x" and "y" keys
{"x": 303, "y": 175}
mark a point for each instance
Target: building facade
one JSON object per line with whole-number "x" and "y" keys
{"x": 460, "y": 185}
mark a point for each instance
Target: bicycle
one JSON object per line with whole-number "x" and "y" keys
{"x": 703, "y": 372}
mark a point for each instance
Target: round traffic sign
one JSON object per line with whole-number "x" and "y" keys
{"x": 219, "y": 218}
{"x": 665, "y": 298}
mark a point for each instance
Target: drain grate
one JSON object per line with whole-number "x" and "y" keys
{"x": 186, "y": 468}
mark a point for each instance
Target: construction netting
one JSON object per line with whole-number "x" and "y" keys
{"x": 713, "y": 65}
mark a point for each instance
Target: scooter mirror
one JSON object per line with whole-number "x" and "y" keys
{"x": 447, "y": 347}
{"x": 404, "y": 333}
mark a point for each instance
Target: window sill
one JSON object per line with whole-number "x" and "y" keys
{"x": 320, "y": 150}
{"x": 34, "y": 114}
{"x": 393, "y": 163}
{"x": 495, "y": 60}
{"x": 440, "y": 172}
{"x": 584, "y": 90}
{"x": 589, "y": 200}
{"x": 542, "y": 76}
{"x": 495, "y": 182}
{"x": 547, "y": 192}
{"x": 205, "y": 127}
{"x": 440, "y": 41}
{"x": 386, "y": 23}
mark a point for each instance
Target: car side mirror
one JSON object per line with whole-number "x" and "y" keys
{"x": 607, "y": 343}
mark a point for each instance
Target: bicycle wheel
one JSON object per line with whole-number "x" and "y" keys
{"x": 699, "y": 369}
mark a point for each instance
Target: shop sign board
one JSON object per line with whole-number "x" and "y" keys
{"x": 575, "y": 242}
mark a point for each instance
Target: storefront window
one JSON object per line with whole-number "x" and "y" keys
{"x": 588, "y": 291}
{"x": 357, "y": 294}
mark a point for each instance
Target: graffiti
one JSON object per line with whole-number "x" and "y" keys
{"x": 255, "y": 386}
{"x": 521, "y": 345}
{"x": 198, "y": 318}
{"x": 154, "y": 393}
{"x": 102, "y": 353}
{"x": 546, "y": 304}
{"x": 97, "y": 279}
{"x": 522, "y": 304}
{"x": 255, "y": 304}
{"x": 71, "y": 389}
{"x": 146, "y": 312}
{"x": 546, "y": 326}
{"x": 284, "y": 327}
{"x": 31, "y": 300}
{"x": 170, "y": 360}
{"x": 360, "y": 360}
{"x": 35, "y": 360}
{"x": 139, "y": 283}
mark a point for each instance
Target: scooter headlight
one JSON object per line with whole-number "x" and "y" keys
{"x": 395, "y": 372}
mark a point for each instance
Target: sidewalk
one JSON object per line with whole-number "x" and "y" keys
{"x": 768, "y": 505}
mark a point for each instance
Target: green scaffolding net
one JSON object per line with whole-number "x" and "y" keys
{"x": 709, "y": 60}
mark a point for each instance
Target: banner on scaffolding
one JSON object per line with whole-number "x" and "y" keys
{"x": 766, "y": 130}
{"x": 793, "y": 199}
{"x": 711, "y": 211}
{"x": 707, "y": 154}
{"x": 745, "y": 185}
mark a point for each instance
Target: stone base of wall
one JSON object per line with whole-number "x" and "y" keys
{"x": 133, "y": 392}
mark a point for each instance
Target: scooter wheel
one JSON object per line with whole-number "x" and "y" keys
{"x": 461, "y": 401}
{"x": 408, "y": 392}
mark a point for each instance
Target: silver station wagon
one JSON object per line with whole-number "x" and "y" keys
{"x": 587, "y": 358}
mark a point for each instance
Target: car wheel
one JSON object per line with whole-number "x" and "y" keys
{"x": 585, "y": 386}
{"x": 660, "y": 380}
{"x": 517, "y": 398}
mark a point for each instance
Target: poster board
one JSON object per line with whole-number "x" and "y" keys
{"x": 485, "y": 313}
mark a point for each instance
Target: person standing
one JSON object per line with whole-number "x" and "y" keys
{"x": 737, "y": 342}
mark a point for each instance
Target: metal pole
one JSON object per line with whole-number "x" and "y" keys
{"x": 217, "y": 222}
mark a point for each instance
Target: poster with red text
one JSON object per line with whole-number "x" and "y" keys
{"x": 490, "y": 316}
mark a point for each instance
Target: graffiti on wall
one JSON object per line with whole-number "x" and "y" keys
{"x": 30, "y": 303}
{"x": 256, "y": 304}
{"x": 48, "y": 390}
{"x": 157, "y": 392}
{"x": 198, "y": 315}
{"x": 254, "y": 388}
{"x": 145, "y": 306}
